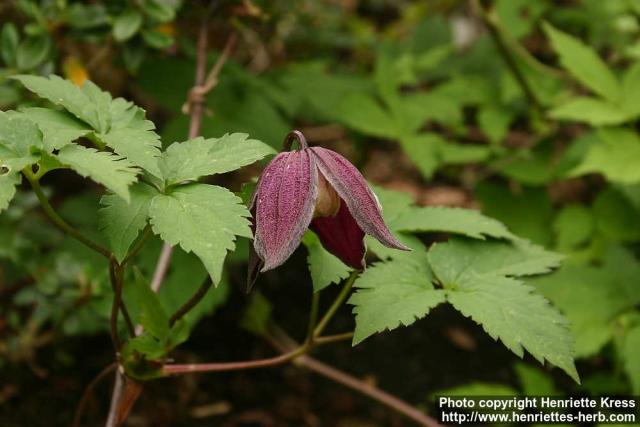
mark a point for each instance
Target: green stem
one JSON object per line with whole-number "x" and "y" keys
{"x": 342, "y": 296}
{"x": 313, "y": 315}
{"x": 57, "y": 219}
{"x": 192, "y": 302}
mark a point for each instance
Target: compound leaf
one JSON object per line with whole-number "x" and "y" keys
{"x": 64, "y": 93}
{"x": 110, "y": 170}
{"x": 392, "y": 294}
{"x": 203, "y": 219}
{"x": 199, "y": 157}
{"x": 58, "y": 128}
{"x": 473, "y": 275}
{"x": 451, "y": 220}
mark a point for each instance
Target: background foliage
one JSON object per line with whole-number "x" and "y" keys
{"x": 526, "y": 111}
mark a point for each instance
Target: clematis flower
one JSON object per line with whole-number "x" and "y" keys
{"x": 318, "y": 189}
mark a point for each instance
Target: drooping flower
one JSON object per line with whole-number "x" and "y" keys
{"x": 315, "y": 188}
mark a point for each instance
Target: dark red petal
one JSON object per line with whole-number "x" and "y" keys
{"x": 354, "y": 190}
{"x": 284, "y": 204}
{"x": 341, "y": 236}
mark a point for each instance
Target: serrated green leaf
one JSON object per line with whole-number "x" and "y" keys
{"x": 203, "y": 219}
{"x": 584, "y": 64}
{"x": 464, "y": 256}
{"x": 630, "y": 351}
{"x": 153, "y": 316}
{"x": 616, "y": 156}
{"x": 590, "y": 110}
{"x": 200, "y": 157}
{"x": 110, "y": 170}
{"x": 118, "y": 123}
{"x": 8, "y": 183}
{"x": 121, "y": 221}
{"x": 64, "y": 93}
{"x": 101, "y": 102}
{"x": 127, "y": 25}
{"x": 473, "y": 275}
{"x": 18, "y": 136}
{"x": 392, "y": 294}
{"x": 509, "y": 311}
{"x": 324, "y": 267}
{"x": 138, "y": 146}
{"x": 451, "y": 220}
{"x": 58, "y": 128}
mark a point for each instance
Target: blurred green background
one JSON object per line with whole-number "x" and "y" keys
{"x": 525, "y": 110}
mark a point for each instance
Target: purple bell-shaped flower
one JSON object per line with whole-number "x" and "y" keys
{"x": 318, "y": 189}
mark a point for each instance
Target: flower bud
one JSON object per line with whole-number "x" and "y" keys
{"x": 328, "y": 201}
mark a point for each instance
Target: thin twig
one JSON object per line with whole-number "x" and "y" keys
{"x": 57, "y": 219}
{"x": 116, "y": 398}
{"x": 192, "y": 302}
{"x": 77, "y": 418}
{"x": 176, "y": 369}
{"x": 280, "y": 340}
{"x": 235, "y": 366}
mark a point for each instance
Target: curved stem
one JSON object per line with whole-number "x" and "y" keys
{"x": 77, "y": 418}
{"x": 313, "y": 315}
{"x": 367, "y": 389}
{"x": 344, "y": 292}
{"x": 192, "y": 302}
{"x": 295, "y": 135}
{"x": 235, "y": 366}
{"x": 281, "y": 341}
{"x": 57, "y": 219}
